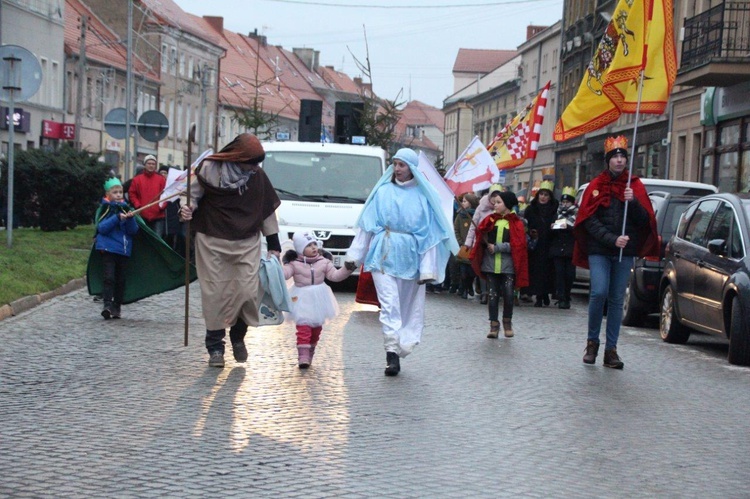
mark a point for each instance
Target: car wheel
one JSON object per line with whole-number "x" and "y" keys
{"x": 632, "y": 308}
{"x": 739, "y": 337}
{"x": 670, "y": 328}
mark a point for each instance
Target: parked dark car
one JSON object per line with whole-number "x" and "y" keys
{"x": 642, "y": 293}
{"x": 706, "y": 281}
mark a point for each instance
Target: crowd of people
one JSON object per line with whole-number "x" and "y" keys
{"x": 498, "y": 249}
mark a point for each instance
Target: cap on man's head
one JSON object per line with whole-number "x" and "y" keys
{"x": 149, "y": 158}
{"x": 615, "y": 145}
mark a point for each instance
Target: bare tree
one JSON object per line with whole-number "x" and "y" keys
{"x": 252, "y": 115}
{"x": 379, "y": 116}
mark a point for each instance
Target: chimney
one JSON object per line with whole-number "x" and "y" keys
{"x": 216, "y": 22}
{"x": 532, "y": 30}
{"x": 262, "y": 39}
{"x": 309, "y": 57}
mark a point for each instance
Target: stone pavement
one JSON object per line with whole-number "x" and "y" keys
{"x": 90, "y": 408}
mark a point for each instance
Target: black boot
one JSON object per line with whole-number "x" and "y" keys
{"x": 107, "y": 311}
{"x": 393, "y": 365}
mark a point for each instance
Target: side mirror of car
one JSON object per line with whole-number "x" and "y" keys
{"x": 717, "y": 247}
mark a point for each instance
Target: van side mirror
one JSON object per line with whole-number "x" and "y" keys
{"x": 717, "y": 247}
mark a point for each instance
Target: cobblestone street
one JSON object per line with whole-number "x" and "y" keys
{"x": 122, "y": 409}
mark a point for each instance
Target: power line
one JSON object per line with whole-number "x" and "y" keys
{"x": 447, "y": 6}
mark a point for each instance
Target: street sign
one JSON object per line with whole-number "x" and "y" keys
{"x": 27, "y": 71}
{"x": 114, "y": 122}
{"x": 153, "y": 126}
{"x": 21, "y": 76}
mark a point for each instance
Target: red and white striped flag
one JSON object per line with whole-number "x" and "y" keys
{"x": 519, "y": 139}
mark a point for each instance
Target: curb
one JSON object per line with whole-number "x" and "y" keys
{"x": 28, "y": 302}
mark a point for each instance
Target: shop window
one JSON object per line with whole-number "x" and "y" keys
{"x": 745, "y": 172}
{"x": 707, "y": 169}
{"x": 729, "y": 135}
{"x": 728, "y": 166}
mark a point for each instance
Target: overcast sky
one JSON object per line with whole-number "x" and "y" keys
{"x": 412, "y": 43}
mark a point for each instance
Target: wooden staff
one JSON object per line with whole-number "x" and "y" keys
{"x": 135, "y": 212}
{"x": 191, "y": 139}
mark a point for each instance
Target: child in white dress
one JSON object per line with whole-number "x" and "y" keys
{"x": 313, "y": 302}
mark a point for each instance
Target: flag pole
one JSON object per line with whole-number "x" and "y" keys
{"x": 632, "y": 153}
{"x": 191, "y": 139}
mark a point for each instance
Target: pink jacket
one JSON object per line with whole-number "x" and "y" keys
{"x": 484, "y": 209}
{"x": 309, "y": 271}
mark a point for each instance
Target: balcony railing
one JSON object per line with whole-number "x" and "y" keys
{"x": 721, "y": 33}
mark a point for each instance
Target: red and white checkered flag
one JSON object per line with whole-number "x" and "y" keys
{"x": 519, "y": 139}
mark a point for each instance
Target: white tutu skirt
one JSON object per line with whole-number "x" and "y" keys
{"x": 313, "y": 305}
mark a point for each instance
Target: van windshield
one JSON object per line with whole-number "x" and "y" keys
{"x": 316, "y": 176}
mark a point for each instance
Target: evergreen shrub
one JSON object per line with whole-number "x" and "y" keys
{"x": 55, "y": 190}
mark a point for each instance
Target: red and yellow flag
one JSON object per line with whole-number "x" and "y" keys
{"x": 639, "y": 36}
{"x": 519, "y": 139}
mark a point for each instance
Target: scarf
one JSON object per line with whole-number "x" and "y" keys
{"x": 599, "y": 193}
{"x": 235, "y": 177}
{"x": 518, "y": 249}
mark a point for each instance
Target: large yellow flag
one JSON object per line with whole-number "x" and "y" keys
{"x": 639, "y": 36}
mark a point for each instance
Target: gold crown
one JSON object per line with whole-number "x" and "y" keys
{"x": 547, "y": 184}
{"x": 612, "y": 143}
{"x": 569, "y": 191}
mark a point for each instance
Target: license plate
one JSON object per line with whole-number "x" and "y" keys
{"x": 337, "y": 261}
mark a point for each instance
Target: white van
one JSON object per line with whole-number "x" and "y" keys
{"x": 322, "y": 188}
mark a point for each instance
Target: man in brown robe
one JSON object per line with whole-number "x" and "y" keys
{"x": 232, "y": 204}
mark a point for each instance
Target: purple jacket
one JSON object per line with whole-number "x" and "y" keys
{"x": 309, "y": 271}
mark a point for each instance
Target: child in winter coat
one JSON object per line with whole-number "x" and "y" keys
{"x": 500, "y": 256}
{"x": 561, "y": 249}
{"x": 115, "y": 228}
{"x": 313, "y": 302}
{"x": 461, "y": 225}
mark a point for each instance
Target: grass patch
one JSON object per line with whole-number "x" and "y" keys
{"x": 42, "y": 261}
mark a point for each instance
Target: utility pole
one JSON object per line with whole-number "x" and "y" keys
{"x": 204, "y": 73}
{"x": 81, "y": 78}
{"x": 129, "y": 170}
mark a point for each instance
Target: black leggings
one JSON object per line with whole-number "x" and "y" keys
{"x": 500, "y": 284}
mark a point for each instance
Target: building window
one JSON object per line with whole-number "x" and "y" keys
{"x": 729, "y": 135}
{"x": 173, "y": 61}
{"x": 728, "y": 171}
{"x": 182, "y": 64}
{"x": 707, "y": 169}
{"x": 164, "y": 58}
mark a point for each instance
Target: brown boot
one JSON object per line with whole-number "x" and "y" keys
{"x": 494, "y": 329}
{"x": 611, "y": 359}
{"x": 508, "y": 328}
{"x": 592, "y": 349}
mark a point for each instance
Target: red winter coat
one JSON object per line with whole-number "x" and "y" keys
{"x": 144, "y": 189}
{"x": 518, "y": 248}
